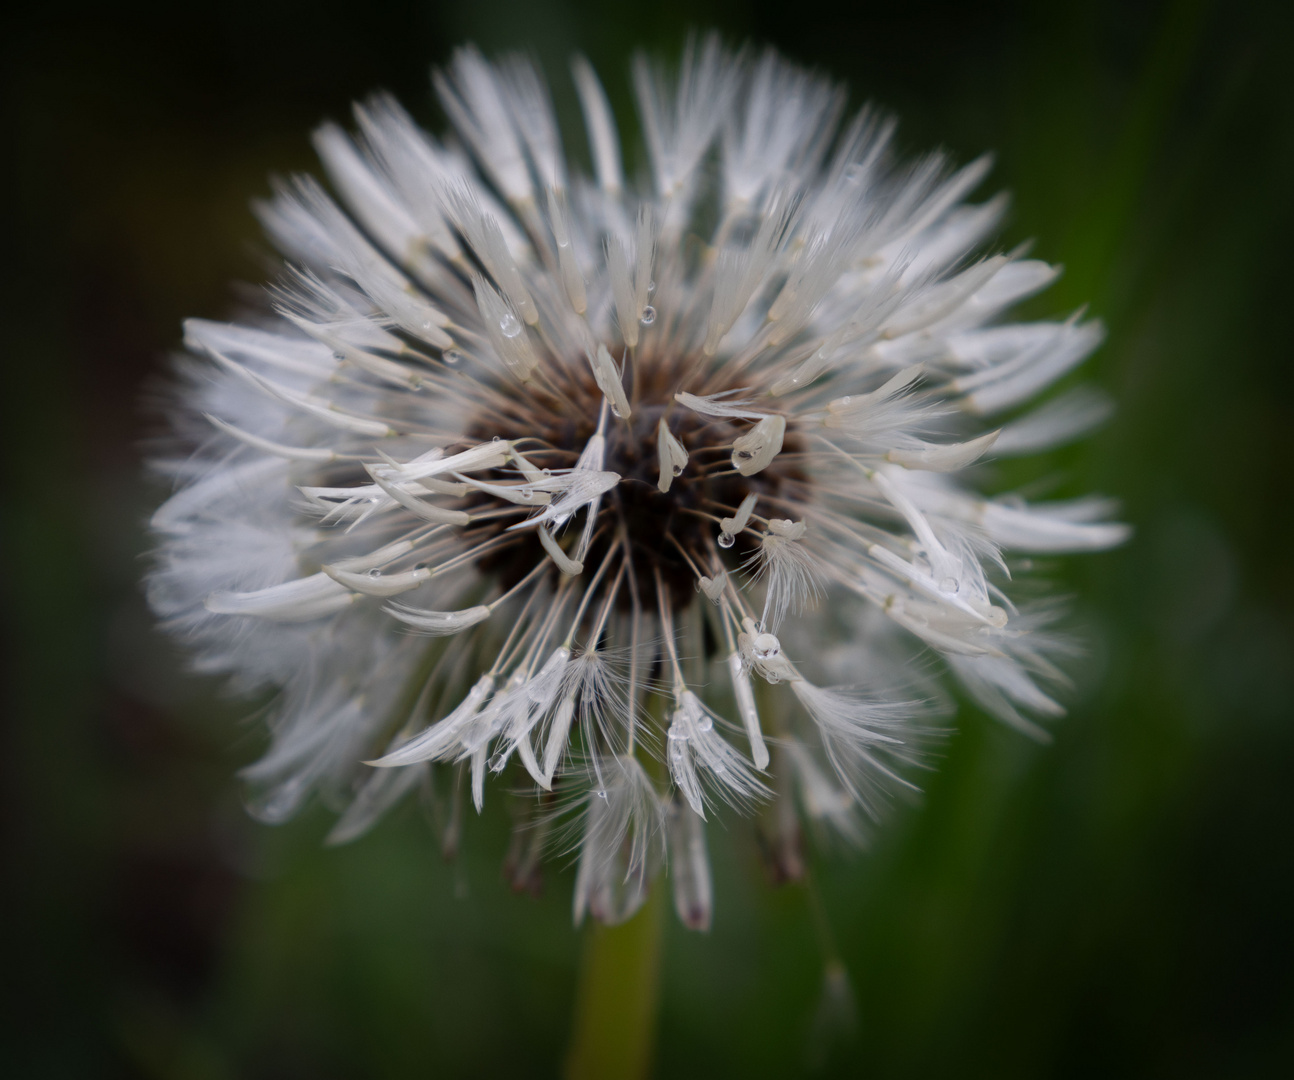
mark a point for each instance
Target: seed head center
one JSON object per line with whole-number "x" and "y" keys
{"x": 659, "y": 527}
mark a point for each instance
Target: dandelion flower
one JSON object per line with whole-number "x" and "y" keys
{"x": 591, "y": 486}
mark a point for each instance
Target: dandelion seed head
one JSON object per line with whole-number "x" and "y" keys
{"x": 470, "y": 494}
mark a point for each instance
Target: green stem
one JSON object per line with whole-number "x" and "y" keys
{"x": 614, "y": 1031}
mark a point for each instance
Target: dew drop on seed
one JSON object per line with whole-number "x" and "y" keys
{"x": 602, "y": 794}
{"x": 451, "y": 356}
{"x": 678, "y": 470}
{"x": 726, "y": 540}
{"x": 510, "y": 325}
{"x": 949, "y": 585}
{"x": 651, "y": 287}
{"x": 648, "y": 315}
{"x": 279, "y": 804}
{"x": 705, "y": 724}
{"x": 375, "y": 573}
{"x": 526, "y": 493}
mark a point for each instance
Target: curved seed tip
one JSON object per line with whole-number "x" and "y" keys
{"x": 754, "y": 451}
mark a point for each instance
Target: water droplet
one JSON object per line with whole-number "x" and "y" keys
{"x": 526, "y": 493}
{"x": 726, "y": 540}
{"x": 451, "y": 356}
{"x": 705, "y": 724}
{"x": 375, "y": 573}
{"x": 278, "y": 805}
{"x": 497, "y": 438}
{"x": 651, "y": 287}
{"x": 678, "y": 470}
{"x": 602, "y": 794}
{"x": 564, "y": 244}
{"x": 949, "y": 585}
{"x": 648, "y": 316}
{"x": 547, "y": 472}
{"x": 616, "y": 413}
{"x": 766, "y": 646}
{"x": 510, "y": 325}
{"x": 846, "y": 399}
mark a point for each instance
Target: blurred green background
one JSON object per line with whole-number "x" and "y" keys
{"x": 1119, "y": 903}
